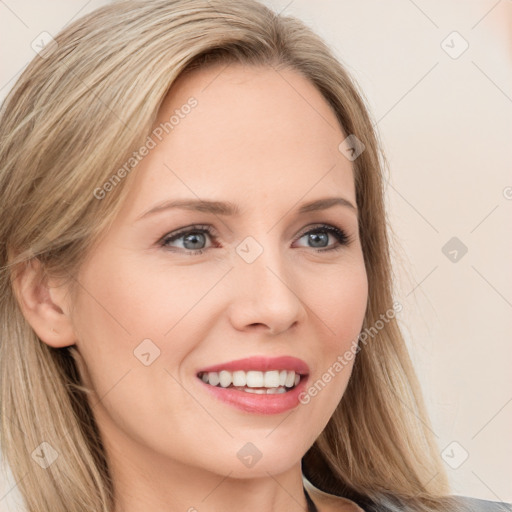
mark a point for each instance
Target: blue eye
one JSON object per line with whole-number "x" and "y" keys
{"x": 194, "y": 238}
{"x": 325, "y": 230}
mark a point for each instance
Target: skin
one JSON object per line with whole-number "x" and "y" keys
{"x": 267, "y": 142}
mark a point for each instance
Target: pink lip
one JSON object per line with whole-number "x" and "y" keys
{"x": 258, "y": 404}
{"x": 262, "y": 364}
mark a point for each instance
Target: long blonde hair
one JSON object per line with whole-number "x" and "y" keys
{"x": 75, "y": 115}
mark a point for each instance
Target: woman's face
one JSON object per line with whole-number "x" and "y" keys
{"x": 153, "y": 313}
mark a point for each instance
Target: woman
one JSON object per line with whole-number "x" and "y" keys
{"x": 197, "y": 309}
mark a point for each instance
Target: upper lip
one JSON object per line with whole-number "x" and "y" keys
{"x": 262, "y": 364}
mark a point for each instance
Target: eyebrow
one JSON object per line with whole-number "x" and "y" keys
{"x": 230, "y": 209}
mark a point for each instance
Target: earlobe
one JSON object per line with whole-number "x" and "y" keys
{"x": 43, "y": 305}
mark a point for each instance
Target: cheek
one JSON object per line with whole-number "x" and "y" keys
{"x": 340, "y": 301}
{"x": 135, "y": 316}
{"x": 339, "y": 306}
{"x": 126, "y": 300}
{"x": 113, "y": 313}
{"x": 121, "y": 323}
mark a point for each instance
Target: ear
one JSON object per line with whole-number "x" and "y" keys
{"x": 43, "y": 303}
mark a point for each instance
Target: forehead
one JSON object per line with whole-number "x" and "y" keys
{"x": 254, "y": 134}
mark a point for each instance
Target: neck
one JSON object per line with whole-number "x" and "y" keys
{"x": 160, "y": 484}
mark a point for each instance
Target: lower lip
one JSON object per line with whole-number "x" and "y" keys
{"x": 258, "y": 404}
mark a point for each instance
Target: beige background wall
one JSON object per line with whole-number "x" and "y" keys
{"x": 445, "y": 118}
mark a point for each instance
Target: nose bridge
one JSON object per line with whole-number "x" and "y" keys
{"x": 263, "y": 259}
{"x": 265, "y": 294}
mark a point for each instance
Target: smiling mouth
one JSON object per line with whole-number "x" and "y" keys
{"x": 270, "y": 382}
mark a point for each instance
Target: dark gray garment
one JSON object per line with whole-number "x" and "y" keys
{"x": 477, "y": 505}
{"x": 466, "y": 504}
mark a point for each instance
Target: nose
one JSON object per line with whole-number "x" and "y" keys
{"x": 266, "y": 295}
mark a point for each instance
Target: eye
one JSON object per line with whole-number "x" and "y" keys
{"x": 194, "y": 237}
{"x": 322, "y": 240}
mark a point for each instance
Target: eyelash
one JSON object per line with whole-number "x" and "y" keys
{"x": 340, "y": 235}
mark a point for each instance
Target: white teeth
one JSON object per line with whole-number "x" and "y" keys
{"x": 274, "y": 380}
{"x": 256, "y": 391}
{"x": 213, "y": 378}
{"x": 239, "y": 378}
{"x": 269, "y": 391}
{"x": 225, "y": 378}
{"x": 290, "y": 379}
{"x": 275, "y": 391}
{"x": 254, "y": 379}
